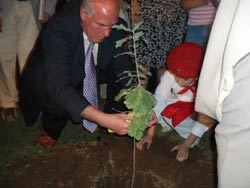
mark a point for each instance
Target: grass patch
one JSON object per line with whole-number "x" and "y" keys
{"x": 17, "y": 141}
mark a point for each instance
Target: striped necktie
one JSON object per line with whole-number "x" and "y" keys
{"x": 89, "y": 85}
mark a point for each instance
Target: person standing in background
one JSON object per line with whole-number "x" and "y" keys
{"x": 45, "y": 9}
{"x": 49, "y": 10}
{"x": 18, "y": 34}
{"x": 165, "y": 23}
{"x": 224, "y": 90}
{"x": 201, "y": 14}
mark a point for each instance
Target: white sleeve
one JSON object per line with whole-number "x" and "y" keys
{"x": 199, "y": 129}
{"x": 162, "y": 93}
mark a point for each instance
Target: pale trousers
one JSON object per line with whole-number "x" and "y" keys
{"x": 17, "y": 38}
{"x": 233, "y": 132}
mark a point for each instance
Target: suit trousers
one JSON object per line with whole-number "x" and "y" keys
{"x": 233, "y": 132}
{"x": 19, "y": 32}
{"x": 54, "y": 119}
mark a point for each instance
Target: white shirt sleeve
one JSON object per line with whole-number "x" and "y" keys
{"x": 199, "y": 129}
{"x": 162, "y": 93}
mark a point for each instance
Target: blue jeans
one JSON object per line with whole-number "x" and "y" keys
{"x": 198, "y": 34}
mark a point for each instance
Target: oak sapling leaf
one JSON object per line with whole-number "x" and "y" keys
{"x": 140, "y": 103}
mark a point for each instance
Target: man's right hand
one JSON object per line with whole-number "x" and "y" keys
{"x": 118, "y": 123}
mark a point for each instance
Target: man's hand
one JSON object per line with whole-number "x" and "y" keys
{"x": 118, "y": 123}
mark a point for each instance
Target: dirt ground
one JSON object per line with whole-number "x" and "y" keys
{"x": 108, "y": 162}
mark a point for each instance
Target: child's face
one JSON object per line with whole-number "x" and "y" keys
{"x": 183, "y": 82}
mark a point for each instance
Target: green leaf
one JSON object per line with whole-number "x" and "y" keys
{"x": 138, "y": 36}
{"x": 137, "y": 26}
{"x": 140, "y": 102}
{"x": 121, "y": 27}
{"x": 125, "y": 53}
{"x": 143, "y": 76}
{"x": 121, "y": 94}
{"x": 119, "y": 43}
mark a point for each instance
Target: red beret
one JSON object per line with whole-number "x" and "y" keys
{"x": 185, "y": 60}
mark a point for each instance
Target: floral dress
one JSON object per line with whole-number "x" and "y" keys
{"x": 165, "y": 23}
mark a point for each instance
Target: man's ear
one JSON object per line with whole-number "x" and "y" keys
{"x": 83, "y": 13}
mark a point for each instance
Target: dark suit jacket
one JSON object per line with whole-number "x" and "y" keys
{"x": 55, "y": 70}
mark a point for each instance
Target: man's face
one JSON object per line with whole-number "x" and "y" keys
{"x": 98, "y": 25}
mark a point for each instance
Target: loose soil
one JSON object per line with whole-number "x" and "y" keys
{"x": 108, "y": 162}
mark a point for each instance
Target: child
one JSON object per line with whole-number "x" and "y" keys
{"x": 175, "y": 96}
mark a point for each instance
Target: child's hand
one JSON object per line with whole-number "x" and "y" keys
{"x": 145, "y": 140}
{"x": 153, "y": 120}
{"x": 182, "y": 153}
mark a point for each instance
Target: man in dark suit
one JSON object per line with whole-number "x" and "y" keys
{"x": 51, "y": 83}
